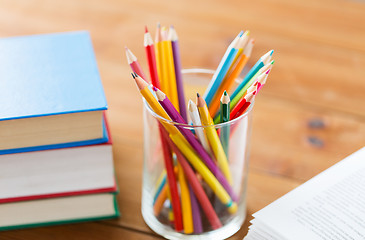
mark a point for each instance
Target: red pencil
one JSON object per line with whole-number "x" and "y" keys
{"x": 151, "y": 57}
{"x": 132, "y": 61}
{"x": 171, "y": 179}
{"x": 244, "y": 102}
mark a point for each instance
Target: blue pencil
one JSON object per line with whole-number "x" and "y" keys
{"x": 222, "y": 70}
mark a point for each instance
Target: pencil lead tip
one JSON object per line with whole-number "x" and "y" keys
{"x": 240, "y": 34}
{"x": 198, "y": 95}
{"x": 247, "y": 33}
{"x": 145, "y": 29}
{"x": 155, "y": 88}
{"x": 225, "y": 93}
{"x": 272, "y": 62}
{"x": 267, "y": 72}
{"x": 271, "y": 52}
{"x": 133, "y": 75}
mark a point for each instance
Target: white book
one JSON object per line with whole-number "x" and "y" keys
{"x": 331, "y": 205}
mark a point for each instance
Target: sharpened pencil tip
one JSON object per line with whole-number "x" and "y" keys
{"x": 225, "y": 93}
{"x": 240, "y": 34}
{"x": 197, "y": 94}
{"x": 272, "y": 62}
{"x": 145, "y": 29}
{"x": 133, "y": 75}
{"x": 154, "y": 88}
{"x": 271, "y": 52}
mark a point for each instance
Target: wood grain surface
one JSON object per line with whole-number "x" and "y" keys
{"x": 310, "y": 115}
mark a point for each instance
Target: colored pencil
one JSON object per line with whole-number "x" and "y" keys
{"x": 189, "y": 136}
{"x": 178, "y": 75}
{"x": 195, "y": 118}
{"x": 158, "y": 203}
{"x": 244, "y": 103}
{"x": 176, "y": 206}
{"x": 225, "y": 117}
{"x": 241, "y": 45}
{"x": 160, "y": 184}
{"x": 169, "y": 68}
{"x": 265, "y": 59}
{"x": 196, "y": 186}
{"x": 229, "y": 81}
{"x": 213, "y": 138}
{"x": 187, "y": 214}
{"x": 151, "y": 58}
{"x": 162, "y": 72}
{"x": 221, "y": 70}
{"x": 133, "y": 63}
{"x": 262, "y": 82}
{"x": 197, "y": 221}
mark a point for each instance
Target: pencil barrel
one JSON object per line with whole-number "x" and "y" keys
{"x": 206, "y": 203}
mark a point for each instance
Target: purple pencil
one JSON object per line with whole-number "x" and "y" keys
{"x": 197, "y": 221}
{"x": 190, "y": 137}
{"x": 177, "y": 64}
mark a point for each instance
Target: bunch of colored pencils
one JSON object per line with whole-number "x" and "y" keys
{"x": 196, "y": 162}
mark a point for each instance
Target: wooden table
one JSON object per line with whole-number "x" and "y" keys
{"x": 310, "y": 115}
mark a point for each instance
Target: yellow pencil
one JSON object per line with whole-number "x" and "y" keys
{"x": 185, "y": 201}
{"x": 213, "y": 138}
{"x": 161, "y": 69}
{"x": 169, "y": 68}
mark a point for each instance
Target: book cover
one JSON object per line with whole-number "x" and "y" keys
{"x": 49, "y": 74}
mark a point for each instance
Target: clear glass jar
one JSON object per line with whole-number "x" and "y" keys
{"x": 197, "y": 220}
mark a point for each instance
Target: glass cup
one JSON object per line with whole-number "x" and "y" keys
{"x": 211, "y": 206}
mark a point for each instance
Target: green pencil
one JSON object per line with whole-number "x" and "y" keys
{"x": 224, "y": 113}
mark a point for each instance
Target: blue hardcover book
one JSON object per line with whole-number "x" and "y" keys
{"x": 51, "y": 95}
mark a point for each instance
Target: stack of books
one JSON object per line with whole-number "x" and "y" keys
{"x": 56, "y": 162}
{"x": 329, "y": 206}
